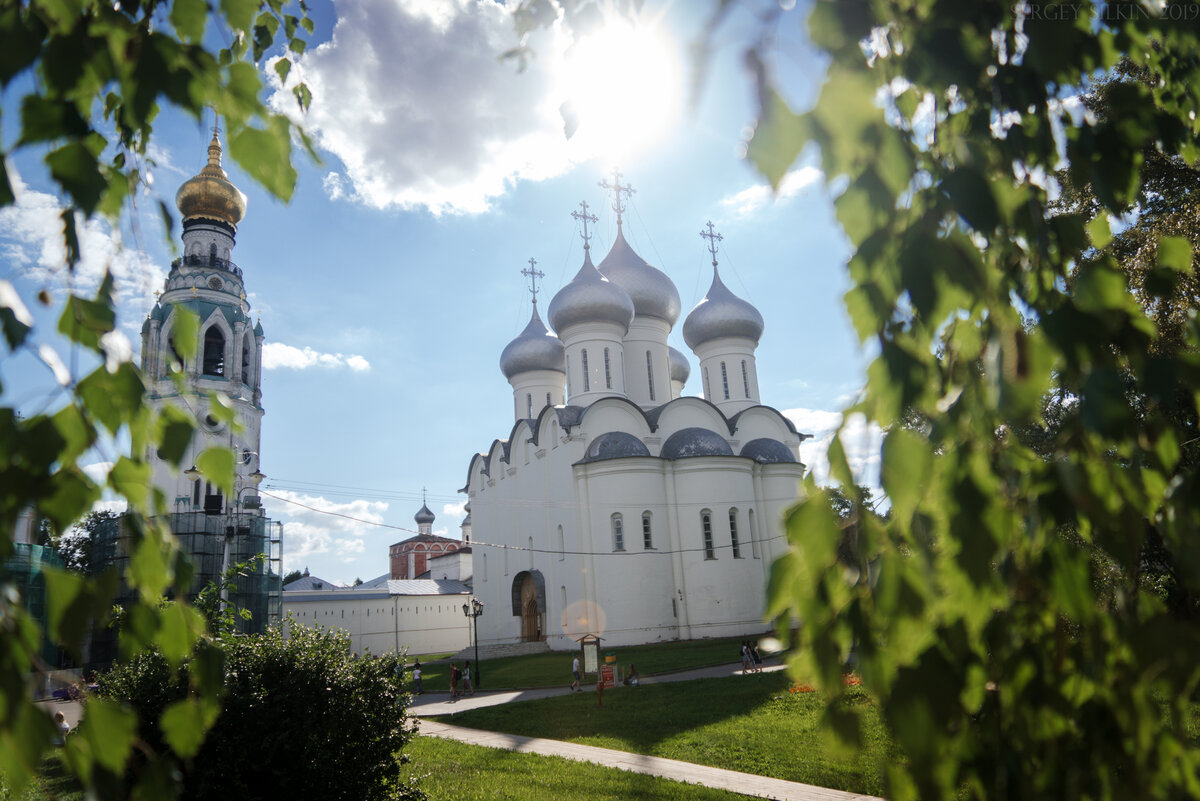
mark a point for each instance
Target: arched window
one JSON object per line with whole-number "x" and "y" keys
{"x": 214, "y": 352}
{"x": 531, "y": 553}
{"x": 562, "y": 550}
{"x": 707, "y": 388}
{"x": 212, "y": 253}
{"x": 583, "y": 360}
{"x": 733, "y": 533}
{"x": 607, "y": 371}
{"x": 753, "y": 535}
{"x": 745, "y": 379}
{"x": 647, "y": 535}
{"x": 174, "y": 353}
{"x": 246, "y": 379}
{"x": 618, "y": 529}
{"x": 725, "y": 380}
{"x": 650, "y": 374}
{"x": 568, "y": 375}
{"x": 548, "y": 403}
{"x": 528, "y": 404}
{"x": 484, "y": 571}
{"x": 196, "y": 492}
{"x": 706, "y": 529}
{"x": 506, "y": 561}
{"x": 562, "y": 592}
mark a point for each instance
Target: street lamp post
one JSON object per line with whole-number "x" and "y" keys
{"x": 473, "y": 610}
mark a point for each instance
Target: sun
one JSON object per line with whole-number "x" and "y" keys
{"x": 622, "y": 87}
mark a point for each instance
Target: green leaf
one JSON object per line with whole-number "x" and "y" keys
{"x": 240, "y": 13}
{"x": 971, "y": 194}
{"x": 113, "y": 398}
{"x": 174, "y": 429}
{"x": 179, "y": 629}
{"x": 282, "y": 67}
{"x": 1100, "y": 232}
{"x": 131, "y": 479}
{"x": 44, "y": 120}
{"x": 78, "y": 435}
{"x": 778, "y": 138}
{"x": 85, "y": 321}
{"x": 109, "y": 729}
{"x": 217, "y": 466}
{"x": 77, "y": 170}
{"x": 184, "y": 724}
{"x": 303, "y": 96}
{"x": 185, "y": 329}
{"x": 189, "y": 18}
{"x": 266, "y": 156}
{"x": 907, "y": 465}
{"x": 1175, "y": 252}
{"x": 15, "y": 319}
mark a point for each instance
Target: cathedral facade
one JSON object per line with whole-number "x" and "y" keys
{"x": 615, "y": 506}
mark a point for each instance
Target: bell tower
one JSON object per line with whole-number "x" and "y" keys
{"x": 228, "y": 360}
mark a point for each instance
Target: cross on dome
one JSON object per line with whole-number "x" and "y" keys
{"x": 586, "y": 218}
{"x": 617, "y": 189}
{"x": 713, "y": 238}
{"x": 533, "y": 274}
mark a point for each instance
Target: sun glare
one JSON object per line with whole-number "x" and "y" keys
{"x": 622, "y": 87}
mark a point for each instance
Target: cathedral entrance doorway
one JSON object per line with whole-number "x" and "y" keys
{"x": 529, "y": 603}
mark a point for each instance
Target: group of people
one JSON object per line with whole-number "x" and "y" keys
{"x": 751, "y": 658}
{"x": 462, "y": 677}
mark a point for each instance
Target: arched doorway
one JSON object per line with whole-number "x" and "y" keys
{"x": 529, "y": 604}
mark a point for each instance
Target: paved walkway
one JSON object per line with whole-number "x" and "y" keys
{"x": 732, "y": 780}
{"x": 435, "y": 704}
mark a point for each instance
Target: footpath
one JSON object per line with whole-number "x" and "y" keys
{"x": 438, "y": 704}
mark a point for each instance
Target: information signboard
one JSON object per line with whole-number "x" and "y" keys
{"x": 608, "y": 676}
{"x": 591, "y": 656}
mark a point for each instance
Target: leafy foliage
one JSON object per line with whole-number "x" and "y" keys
{"x": 1001, "y": 668}
{"x": 299, "y": 716}
{"x": 93, "y": 77}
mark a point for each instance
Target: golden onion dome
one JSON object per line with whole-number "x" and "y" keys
{"x": 210, "y": 194}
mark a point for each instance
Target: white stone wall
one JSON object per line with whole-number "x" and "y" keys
{"x": 672, "y": 591}
{"x": 381, "y": 623}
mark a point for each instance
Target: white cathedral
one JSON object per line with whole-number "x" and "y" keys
{"x": 617, "y": 507}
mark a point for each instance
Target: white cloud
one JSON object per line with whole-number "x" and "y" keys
{"x": 860, "y": 440}
{"x": 31, "y": 241}
{"x": 98, "y": 472}
{"x": 323, "y": 529}
{"x": 412, "y": 98}
{"x": 278, "y": 356}
{"x": 750, "y": 200}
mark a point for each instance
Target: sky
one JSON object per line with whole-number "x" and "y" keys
{"x": 391, "y": 282}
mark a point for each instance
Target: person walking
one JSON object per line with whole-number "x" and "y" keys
{"x": 757, "y": 658}
{"x": 454, "y": 675}
{"x": 575, "y": 673}
{"x": 466, "y": 680}
{"x": 417, "y": 677}
{"x": 747, "y": 662}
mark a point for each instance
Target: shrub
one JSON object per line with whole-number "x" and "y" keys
{"x": 299, "y": 717}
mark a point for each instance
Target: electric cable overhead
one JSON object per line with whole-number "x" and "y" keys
{"x": 559, "y": 552}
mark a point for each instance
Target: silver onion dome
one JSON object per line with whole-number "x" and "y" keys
{"x": 765, "y": 450}
{"x": 680, "y": 369}
{"x": 721, "y": 314}
{"x": 614, "y": 445}
{"x": 590, "y": 298}
{"x": 535, "y": 348}
{"x": 652, "y": 292}
{"x": 423, "y": 515}
{"x": 695, "y": 442}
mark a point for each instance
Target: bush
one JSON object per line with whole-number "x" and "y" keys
{"x": 299, "y": 717}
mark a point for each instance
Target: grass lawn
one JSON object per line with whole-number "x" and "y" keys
{"x": 553, "y": 669}
{"x": 52, "y": 782}
{"x": 752, "y": 724}
{"x": 453, "y": 771}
